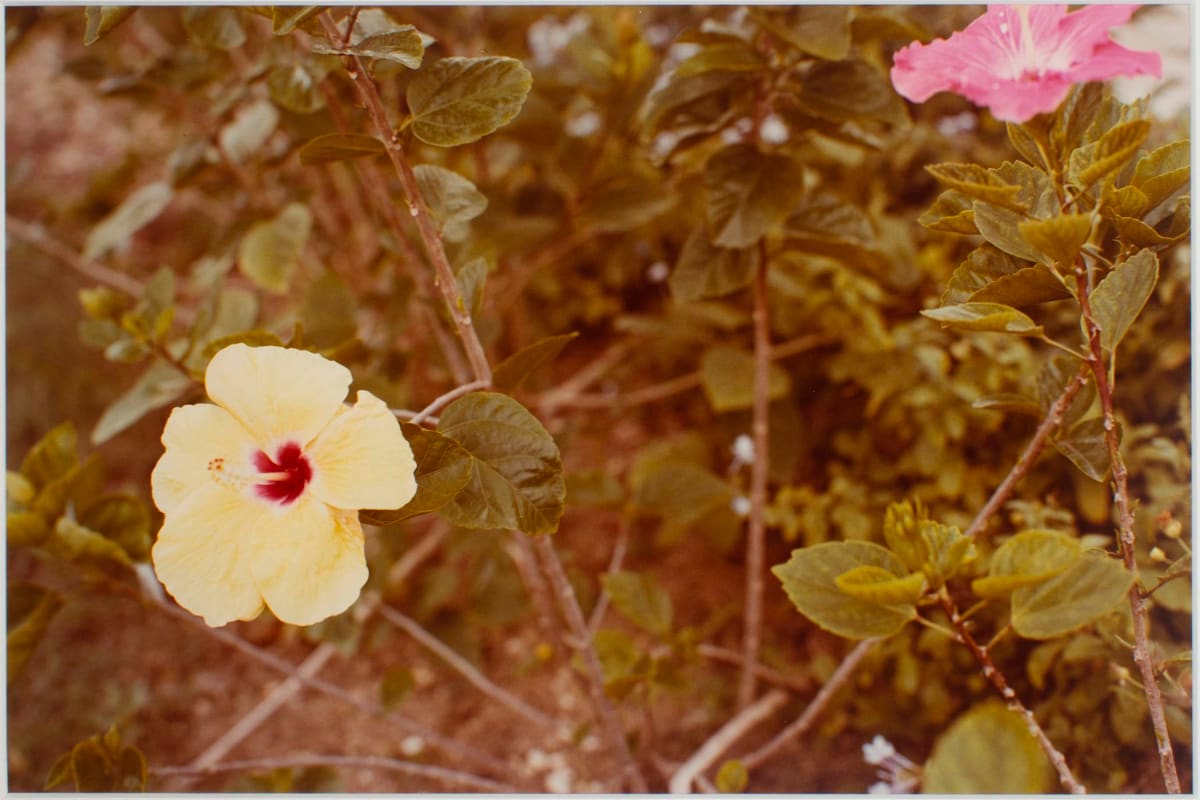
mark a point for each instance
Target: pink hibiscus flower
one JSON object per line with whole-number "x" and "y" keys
{"x": 1022, "y": 60}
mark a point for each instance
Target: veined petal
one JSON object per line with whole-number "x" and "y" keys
{"x": 202, "y": 554}
{"x": 362, "y": 460}
{"x": 278, "y": 394}
{"x": 195, "y": 437}
{"x": 309, "y": 563}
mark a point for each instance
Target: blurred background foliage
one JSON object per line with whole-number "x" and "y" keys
{"x": 164, "y": 194}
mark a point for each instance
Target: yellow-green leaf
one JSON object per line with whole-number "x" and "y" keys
{"x": 732, "y": 56}
{"x": 136, "y": 212}
{"x": 295, "y": 88}
{"x": 705, "y": 270}
{"x": 444, "y": 468}
{"x": 992, "y": 317}
{"x": 732, "y": 777}
{"x": 160, "y": 385}
{"x": 1060, "y": 238}
{"x": 1108, "y": 154}
{"x": 988, "y": 750}
{"x": 1085, "y": 445}
{"x": 269, "y": 253}
{"x": 1001, "y": 227}
{"x": 1121, "y": 296}
{"x": 459, "y": 100}
{"x": 52, "y": 457}
{"x": 214, "y": 26}
{"x": 727, "y": 375}
{"x": 451, "y": 198}
{"x": 1085, "y": 591}
{"x": 102, "y": 19}
{"x": 402, "y": 44}
{"x": 1162, "y": 172}
{"x": 977, "y": 183}
{"x": 30, "y": 611}
{"x": 878, "y": 585}
{"x": 749, "y": 193}
{"x": 640, "y": 599}
{"x": 1026, "y": 559}
{"x": 339, "y": 146}
{"x": 512, "y": 371}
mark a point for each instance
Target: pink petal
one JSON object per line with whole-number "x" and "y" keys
{"x": 1111, "y": 59}
{"x": 1017, "y": 101}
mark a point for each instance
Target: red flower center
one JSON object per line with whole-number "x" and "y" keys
{"x": 285, "y": 476}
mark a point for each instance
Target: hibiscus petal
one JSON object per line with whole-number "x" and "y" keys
{"x": 362, "y": 460}
{"x": 278, "y": 394}
{"x": 1110, "y": 60}
{"x": 309, "y": 563}
{"x": 194, "y": 436}
{"x": 202, "y": 554}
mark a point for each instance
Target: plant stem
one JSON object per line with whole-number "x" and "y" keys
{"x": 719, "y": 742}
{"x": 568, "y": 605}
{"x": 813, "y": 710}
{"x": 446, "y": 398}
{"x": 963, "y": 634}
{"x": 614, "y": 566}
{"x": 1137, "y": 603}
{"x": 426, "y": 226}
{"x": 756, "y": 527}
{"x": 1032, "y": 450}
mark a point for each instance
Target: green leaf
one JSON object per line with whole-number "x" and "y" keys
{"x": 988, "y": 750}
{"x": 1169, "y": 231}
{"x": 328, "y": 312}
{"x": 286, "y": 19}
{"x": 1109, "y": 154}
{"x": 1084, "y": 444}
{"x": 641, "y": 600}
{"x": 1028, "y": 286}
{"x": 1163, "y": 172}
{"x": 451, "y": 197}
{"x": 397, "y": 684}
{"x": 878, "y": 585}
{"x": 26, "y": 528}
{"x": 705, "y": 270}
{"x": 992, "y": 317}
{"x": 727, "y": 375}
{"x": 338, "y": 147}
{"x": 842, "y": 91}
{"x": 946, "y": 551}
{"x": 472, "y": 277}
{"x": 295, "y": 88}
{"x": 1085, "y": 591}
{"x": 459, "y": 100}
{"x": 135, "y": 212}
{"x": 1001, "y": 227}
{"x": 1060, "y": 238}
{"x": 402, "y": 45}
{"x": 53, "y": 457}
{"x": 809, "y": 578}
{"x": 444, "y": 468}
{"x": 822, "y": 31}
{"x": 30, "y": 611}
{"x": 1030, "y": 141}
{"x": 1052, "y": 380}
{"x": 160, "y": 385}
{"x": 631, "y": 197}
{"x": 749, "y": 194}
{"x": 1121, "y": 296}
{"x": 977, "y": 183}
{"x": 952, "y": 212}
{"x": 102, "y": 19}
{"x": 214, "y": 26}
{"x": 269, "y": 253}
{"x": 732, "y": 777}
{"x": 623, "y": 665}
{"x": 72, "y": 541}
{"x": 248, "y": 131}
{"x": 512, "y": 371}
{"x": 681, "y": 493}
{"x": 1026, "y": 559}
{"x": 1075, "y": 117}
{"x": 732, "y": 56}
{"x": 123, "y": 519}
{"x": 516, "y": 478}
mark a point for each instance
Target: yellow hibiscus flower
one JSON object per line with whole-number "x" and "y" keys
{"x": 260, "y": 491}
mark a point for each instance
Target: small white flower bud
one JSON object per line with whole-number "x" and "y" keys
{"x": 657, "y": 272}
{"x": 743, "y": 449}
{"x": 740, "y": 505}
{"x": 774, "y": 130}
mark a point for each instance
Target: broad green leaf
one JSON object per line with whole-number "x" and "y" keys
{"x": 402, "y": 45}
{"x": 1121, "y": 296}
{"x": 101, "y": 763}
{"x": 160, "y": 385}
{"x": 472, "y": 277}
{"x": 328, "y": 312}
{"x": 72, "y": 541}
{"x": 338, "y": 147}
{"x": 269, "y": 253}
{"x": 623, "y": 665}
{"x": 451, "y": 197}
{"x": 809, "y": 578}
{"x": 749, "y": 193}
{"x": 1170, "y": 231}
{"x": 946, "y": 551}
{"x": 976, "y": 182}
{"x": 705, "y": 270}
{"x": 1163, "y": 172}
{"x": 1084, "y": 444}
{"x": 30, "y": 611}
{"x": 641, "y": 600}
{"x": 510, "y": 373}
{"x": 878, "y": 585}
{"x": 396, "y": 686}
{"x": 19, "y": 491}
{"x": 841, "y": 91}
{"x": 123, "y": 519}
{"x": 668, "y": 102}
{"x": 597, "y": 488}
{"x": 727, "y": 375}
{"x": 53, "y": 457}
{"x": 1075, "y": 117}
{"x": 1052, "y": 380}
{"x": 135, "y": 212}
{"x": 822, "y": 31}
{"x": 248, "y": 131}
{"x": 286, "y": 19}
{"x": 444, "y": 468}
{"x": 731, "y": 56}
{"x": 102, "y": 19}
{"x": 732, "y": 777}
{"x": 1028, "y": 286}
{"x": 1109, "y": 154}
{"x": 1001, "y": 227}
{"x": 26, "y": 528}
{"x": 1085, "y": 591}
{"x": 1060, "y": 238}
{"x": 1125, "y": 201}
{"x": 984, "y": 265}
{"x": 516, "y": 478}
{"x": 625, "y": 200}
{"x": 683, "y": 494}
{"x": 295, "y": 88}
{"x": 1030, "y": 141}
{"x": 952, "y": 212}
{"x": 459, "y": 100}
{"x": 988, "y": 750}
{"x": 1026, "y": 559}
{"x": 219, "y": 27}
{"x": 992, "y": 317}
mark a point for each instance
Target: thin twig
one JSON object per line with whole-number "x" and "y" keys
{"x": 589, "y": 374}
{"x": 442, "y": 774}
{"x": 614, "y": 566}
{"x": 1053, "y": 419}
{"x": 756, "y": 530}
{"x": 464, "y": 668}
{"x": 1127, "y": 541}
{"x": 768, "y": 675}
{"x": 996, "y": 677}
{"x": 521, "y": 552}
{"x": 568, "y": 605}
{"x": 719, "y": 742}
{"x": 446, "y": 398}
{"x": 839, "y": 678}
